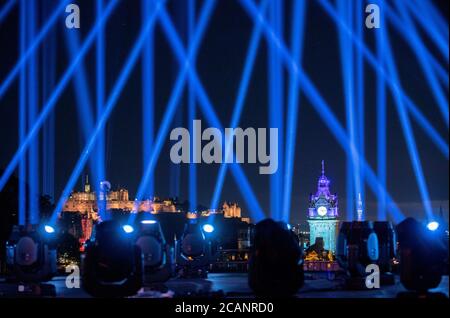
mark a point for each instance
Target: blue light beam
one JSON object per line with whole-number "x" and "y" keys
{"x": 191, "y": 114}
{"x": 6, "y": 9}
{"x": 109, "y": 107}
{"x": 84, "y": 107}
{"x": 33, "y": 98}
{"x": 276, "y": 105}
{"x": 372, "y": 60}
{"x": 100, "y": 99}
{"x": 421, "y": 56}
{"x": 427, "y": 17}
{"x": 148, "y": 90}
{"x": 381, "y": 125}
{"x": 33, "y": 46}
{"x": 406, "y": 126}
{"x": 209, "y": 113}
{"x": 297, "y": 37}
{"x": 403, "y": 31}
{"x": 322, "y": 108}
{"x": 51, "y": 102}
{"x": 172, "y": 105}
{"x": 22, "y": 115}
{"x": 239, "y": 103}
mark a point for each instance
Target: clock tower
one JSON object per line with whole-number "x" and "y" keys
{"x": 323, "y": 213}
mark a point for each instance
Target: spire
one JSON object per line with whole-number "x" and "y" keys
{"x": 359, "y": 210}
{"x": 323, "y": 167}
{"x": 87, "y": 187}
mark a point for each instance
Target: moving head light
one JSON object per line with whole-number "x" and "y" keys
{"x": 112, "y": 264}
{"x": 387, "y": 250}
{"x": 31, "y": 254}
{"x": 276, "y": 260}
{"x": 357, "y": 247}
{"x": 422, "y": 254}
{"x": 156, "y": 253}
{"x": 193, "y": 251}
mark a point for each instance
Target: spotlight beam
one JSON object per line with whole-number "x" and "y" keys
{"x": 421, "y": 120}
{"x": 6, "y": 9}
{"x": 208, "y": 110}
{"x": 322, "y": 108}
{"x": 51, "y": 102}
{"x": 148, "y": 122}
{"x": 250, "y": 58}
{"x": 297, "y": 37}
{"x": 403, "y": 31}
{"x": 173, "y": 103}
{"x": 191, "y": 114}
{"x": 48, "y": 82}
{"x": 397, "y": 92}
{"x": 33, "y": 97}
{"x": 100, "y": 99}
{"x": 348, "y": 70}
{"x": 421, "y": 11}
{"x": 381, "y": 125}
{"x": 84, "y": 103}
{"x": 205, "y": 105}
{"x": 33, "y": 46}
{"x": 360, "y": 96}
{"x": 109, "y": 107}
{"x": 435, "y": 16}
{"x": 420, "y": 53}
{"x": 275, "y": 85}
{"x": 22, "y": 116}
{"x": 406, "y": 126}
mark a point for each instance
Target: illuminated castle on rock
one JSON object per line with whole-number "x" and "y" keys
{"x": 323, "y": 213}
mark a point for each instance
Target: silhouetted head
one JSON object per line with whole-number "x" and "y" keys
{"x": 275, "y": 266}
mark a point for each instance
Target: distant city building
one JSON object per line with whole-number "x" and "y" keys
{"x": 322, "y": 215}
{"x": 229, "y": 210}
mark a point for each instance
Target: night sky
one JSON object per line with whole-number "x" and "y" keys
{"x": 219, "y": 64}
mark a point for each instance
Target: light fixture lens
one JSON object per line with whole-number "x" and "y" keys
{"x": 127, "y": 228}
{"x": 49, "y": 229}
{"x": 208, "y": 228}
{"x": 433, "y": 226}
{"x": 148, "y": 221}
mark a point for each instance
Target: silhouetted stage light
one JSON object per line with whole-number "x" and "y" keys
{"x": 433, "y": 226}
{"x": 387, "y": 250}
{"x": 422, "y": 254}
{"x": 276, "y": 260}
{"x": 156, "y": 253}
{"x": 193, "y": 251}
{"x": 357, "y": 247}
{"x": 112, "y": 264}
{"x": 31, "y": 254}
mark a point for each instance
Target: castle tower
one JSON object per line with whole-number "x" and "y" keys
{"x": 323, "y": 213}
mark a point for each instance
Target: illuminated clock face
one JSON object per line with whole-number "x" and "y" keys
{"x": 322, "y": 211}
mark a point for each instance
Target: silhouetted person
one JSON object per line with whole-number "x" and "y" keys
{"x": 276, "y": 263}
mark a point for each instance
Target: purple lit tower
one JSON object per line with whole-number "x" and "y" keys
{"x": 323, "y": 213}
